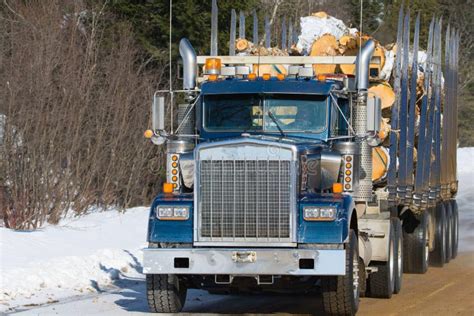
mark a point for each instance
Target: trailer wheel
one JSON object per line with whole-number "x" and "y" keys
{"x": 415, "y": 246}
{"x": 449, "y": 231}
{"x": 382, "y": 283}
{"x": 438, "y": 255}
{"x": 398, "y": 246}
{"x": 165, "y": 293}
{"x": 454, "y": 207}
{"x": 341, "y": 293}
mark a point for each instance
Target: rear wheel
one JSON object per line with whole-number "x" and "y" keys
{"x": 438, "y": 255}
{"x": 415, "y": 245}
{"x": 166, "y": 293}
{"x": 449, "y": 231}
{"x": 455, "y": 233}
{"x": 341, "y": 293}
{"x": 398, "y": 239}
{"x": 382, "y": 283}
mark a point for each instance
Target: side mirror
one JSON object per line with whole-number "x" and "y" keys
{"x": 158, "y": 120}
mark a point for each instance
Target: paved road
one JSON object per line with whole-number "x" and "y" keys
{"x": 446, "y": 291}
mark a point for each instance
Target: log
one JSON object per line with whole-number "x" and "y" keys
{"x": 320, "y": 14}
{"x": 384, "y": 91}
{"x": 242, "y": 44}
{"x": 349, "y": 69}
{"x": 379, "y": 163}
{"x": 326, "y": 45}
{"x": 273, "y": 70}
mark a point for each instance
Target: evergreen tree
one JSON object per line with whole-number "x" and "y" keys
{"x": 191, "y": 19}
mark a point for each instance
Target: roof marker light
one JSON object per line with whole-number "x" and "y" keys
{"x": 213, "y": 66}
{"x": 281, "y": 77}
{"x": 252, "y": 76}
{"x": 266, "y": 76}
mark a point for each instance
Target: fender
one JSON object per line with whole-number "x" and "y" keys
{"x": 336, "y": 231}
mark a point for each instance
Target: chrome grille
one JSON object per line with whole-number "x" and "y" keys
{"x": 246, "y": 200}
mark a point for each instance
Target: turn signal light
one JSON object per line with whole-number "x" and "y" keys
{"x": 148, "y": 133}
{"x": 337, "y": 188}
{"x": 167, "y": 187}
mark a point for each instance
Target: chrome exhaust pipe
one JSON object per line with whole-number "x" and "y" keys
{"x": 363, "y": 65}
{"x": 188, "y": 54}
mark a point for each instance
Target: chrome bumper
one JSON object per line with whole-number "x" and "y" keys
{"x": 243, "y": 261}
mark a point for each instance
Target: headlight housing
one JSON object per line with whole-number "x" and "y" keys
{"x": 172, "y": 213}
{"x": 319, "y": 213}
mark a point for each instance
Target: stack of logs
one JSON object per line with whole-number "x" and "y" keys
{"x": 381, "y": 79}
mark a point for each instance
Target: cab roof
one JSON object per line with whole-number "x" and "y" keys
{"x": 286, "y": 86}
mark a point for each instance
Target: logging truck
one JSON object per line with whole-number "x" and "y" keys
{"x": 269, "y": 176}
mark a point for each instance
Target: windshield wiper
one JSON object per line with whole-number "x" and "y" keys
{"x": 270, "y": 114}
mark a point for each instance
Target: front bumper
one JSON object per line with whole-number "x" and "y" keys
{"x": 246, "y": 262}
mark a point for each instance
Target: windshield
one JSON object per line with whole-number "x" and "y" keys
{"x": 250, "y": 112}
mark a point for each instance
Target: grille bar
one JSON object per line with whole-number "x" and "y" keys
{"x": 246, "y": 200}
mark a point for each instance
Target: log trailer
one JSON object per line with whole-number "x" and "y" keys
{"x": 269, "y": 182}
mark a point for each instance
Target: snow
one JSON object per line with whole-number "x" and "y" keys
{"x": 313, "y": 27}
{"x": 81, "y": 255}
{"x": 99, "y": 256}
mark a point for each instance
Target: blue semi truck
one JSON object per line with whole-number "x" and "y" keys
{"x": 269, "y": 184}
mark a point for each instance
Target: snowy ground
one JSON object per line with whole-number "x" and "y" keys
{"x": 78, "y": 257}
{"x": 97, "y": 259}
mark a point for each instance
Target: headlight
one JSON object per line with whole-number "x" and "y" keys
{"x": 313, "y": 213}
{"x": 172, "y": 213}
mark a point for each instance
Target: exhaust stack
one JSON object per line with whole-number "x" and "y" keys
{"x": 188, "y": 55}
{"x": 363, "y": 65}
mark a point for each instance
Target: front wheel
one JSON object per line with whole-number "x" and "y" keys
{"x": 341, "y": 293}
{"x": 166, "y": 293}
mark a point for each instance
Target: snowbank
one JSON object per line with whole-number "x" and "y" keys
{"x": 78, "y": 256}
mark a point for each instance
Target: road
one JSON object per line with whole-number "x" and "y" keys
{"x": 441, "y": 291}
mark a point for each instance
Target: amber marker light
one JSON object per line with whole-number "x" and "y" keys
{"x": 348, "y": 172}
{"x": 174, "y": 178}
{"x": 213, "y": 77}
{"x": 174, "y": 172}
{"x": 337, "y": 187}
{"x": 167, "y": 187}
{"x": 281, "y": 77}
{"x": 252, "y": 76}
{"x": 148, "y": 133}
{"x": 213, "y": 65}
{"x": 321, "y": 77}
{"x": 348, "y": 165}
{"x": 174, "y": 164}
{"x": 266, "y": 76}
{"x": 174, "y": 157}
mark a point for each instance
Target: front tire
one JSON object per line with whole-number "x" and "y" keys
{"x": 166, "y": 293}
{"x": 415, "y": 246}
{"x": 341, "y": 293}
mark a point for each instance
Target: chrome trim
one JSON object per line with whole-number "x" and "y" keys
{"x": 243, "y": 149}
{"x": 267, "y": 261}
